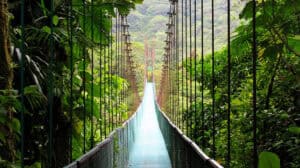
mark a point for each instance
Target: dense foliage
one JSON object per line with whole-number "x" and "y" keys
{"x": 58, "y": 44}
{"x": 277, "y": 89}
{"x": 77, "y": 33}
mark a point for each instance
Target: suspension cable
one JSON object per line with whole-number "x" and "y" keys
{"x": 116, "y": 67}
{"x": 228, "y": 86}
{"x": 213, "y": 80}
{"x": 177, "y": 62}
{"x": 50, "y": 87}
{"x": 22, "y": 69}
{"x": 84, "y": 79}
{"x": 195, "y": 68}
{"x": 101, "y": 79}
{"x": 122, "y": 62}
{"x": 125, "y": 65}
{"x": 190, "y": 65}
{"x": 186, "y": 72}
{"x": 92, "y": 76}
{"x": 172, "y": 60}
{"x": 202, "y": 76}
{"x": 71, "y": 79}
{"x": 105, "y": 55}
{"x": 254, "y": 62}
{"x": 119, "y": 61}
{"x": 110, "y": 77}
{"x": 111, "y": 73}
{"x": 182, "y": 58}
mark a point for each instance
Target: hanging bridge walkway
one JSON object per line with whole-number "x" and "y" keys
{"x": 147, "y": 140}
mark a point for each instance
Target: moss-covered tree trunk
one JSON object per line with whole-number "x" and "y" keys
{"x": 6, "y": 80}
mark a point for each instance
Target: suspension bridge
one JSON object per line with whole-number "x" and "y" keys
{"x": 82, "y": 101}
{"x": 140, "y": 143}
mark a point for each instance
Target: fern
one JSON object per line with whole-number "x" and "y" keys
{"x": 34, "y": 97}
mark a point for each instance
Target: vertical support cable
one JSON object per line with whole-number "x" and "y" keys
{"x": 169, "y": 70}
{"x": 104, "y": 80}
{"x": 116, "y": 66}
{"x": 111, "y": 72}
{"x": 92, "y": 76}
{"x": 213, "y": 80}
{"x": 186, "y": 72}
{"x": 101, "y": 78}
{"x": 50, "y": 87}
{"x": 182, "y": 57}
{"x": 173, "y": 58}
{"x": 195, "y": 69}
{"x": 124, "y": 63}
{"x": 168, "y": 58}
{"x": 228, "y": 86}
{"x": 118, "y": 62}
{"x": 108, "y": 80}
{"x": 177, "y": 63}
{"x": 71, "y": 78}
{"x": 190, "y": 65}
{"x": 121, "y": 64}
{"x": 202, "y": 76}
{"x": 22, "y": 69}
{"x": 254, "y": 59}
{"x": 84, "y": 79}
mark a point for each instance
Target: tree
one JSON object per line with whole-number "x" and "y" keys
{"x": 6, "y": 84}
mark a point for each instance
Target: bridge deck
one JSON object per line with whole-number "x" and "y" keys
{"x": 149, "y": 149}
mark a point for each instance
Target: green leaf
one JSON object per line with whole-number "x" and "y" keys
{"x": 55, "y": 20}
{"x": 138, "y": 1}
{"x": 268, "y": 160}
{"x": 46, "y": 29}
{"x": 34, "y": 97}
{"x": 16, "y": 125}
{"x": 294, "y": 130}
{"x": 294, "y": 42}
{"x": 43, "y": 7}
{"x": 247, "y": 11}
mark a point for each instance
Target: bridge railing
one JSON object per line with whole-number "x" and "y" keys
{"x": 113, "y": 151}
{"x": 182, "y": 150}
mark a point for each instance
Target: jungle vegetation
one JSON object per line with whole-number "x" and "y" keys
{"x": 278, "y": 88}
{"x": 278, "y": 79}
{"x": 45, "y": 38}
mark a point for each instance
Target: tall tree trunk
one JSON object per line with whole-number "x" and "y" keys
{"x": 6, "y": 77}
